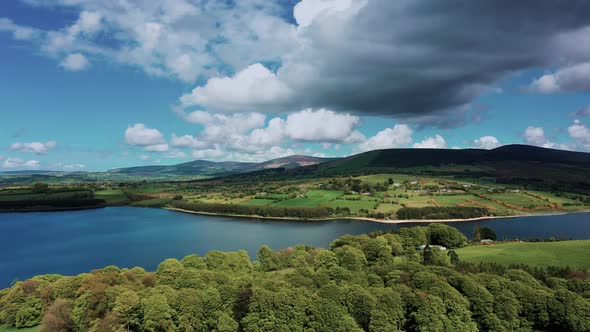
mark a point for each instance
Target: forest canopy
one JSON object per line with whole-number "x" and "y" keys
{"x": 371, "y": 282}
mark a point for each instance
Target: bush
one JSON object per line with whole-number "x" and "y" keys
{"x": 445, "y": 235}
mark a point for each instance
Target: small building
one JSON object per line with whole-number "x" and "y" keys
{"x": 430, "y": 246}
{"x": 486, "y": 241}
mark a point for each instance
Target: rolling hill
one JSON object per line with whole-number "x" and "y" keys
{"x": 519, "y": 164}
{"x": 525, "y": 165}
{"x": 205, "y": 167}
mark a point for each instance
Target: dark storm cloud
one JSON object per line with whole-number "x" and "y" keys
{"x": 423, "y": 60}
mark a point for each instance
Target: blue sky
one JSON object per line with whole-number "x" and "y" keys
{"x": 94, "y": 85}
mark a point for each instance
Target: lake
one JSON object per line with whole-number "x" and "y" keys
{"x": 72, "y": 242}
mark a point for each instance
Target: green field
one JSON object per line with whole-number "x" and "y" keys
{"x": 365, "y": 195}
{"x": 312, "y": 198}
{"x": 112, "y": 197}
{"x": 518, "y": 199}
{"x": 354, "y": 206}
{"x": 575, "y": 254}
{"x": 156, "y": 202}
{"x": 258, "y": 202}
{"x": 388, "y": 208}
{"x": 452, "y": 200}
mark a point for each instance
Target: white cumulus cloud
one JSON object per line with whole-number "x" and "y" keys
{"x": 435, "y": 142}
{"x": 486, "y": 142}
{"x": 140, "y": 135}
{"x": 20, "y": 163}
{"x": 18, "y": 32}
{"x": 580, "y": 133}
{"x": 320, "y": 126}
{"x": 157, "y": 148}
{"x": 398, "y": 136}
{"x": 33, "y": 147}
{"x": 75, "y": 62}
{"x": 253, "y": 88}
{"x": 188, "y": 141}
{"x": 536, "y": 136}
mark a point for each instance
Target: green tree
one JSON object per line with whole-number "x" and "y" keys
{"x": 29, "y": 314}
{"x": 476, "y": 234}
{"x": 168, "y": 271}
{"x": 128, "y": 308}
{"x": 267, "y": 258}
{"x": 488, "y": 233}
{"x": 157, "y": 314}
{"x": 453, "y": 257}
{"x": 324, "y": 259}
{"x": 351, "y": 258}
{"x": 194, "y": 262}
{"x": 191, "y": 313}
{"x": 226, "y": 324}
{"x": 445, "y": 235}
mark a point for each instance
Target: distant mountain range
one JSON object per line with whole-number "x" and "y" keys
{"x": 194, "y": 168}
{"x": 205, "y": 167}
{"x": 519, "y": 164}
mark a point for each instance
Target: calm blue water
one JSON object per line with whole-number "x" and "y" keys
{"x": 77, "y": 241}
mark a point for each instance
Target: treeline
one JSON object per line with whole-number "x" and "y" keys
{"x": 451, "y": 212}
{"x": 263, "y": 211}
{"x": 377, "y": 282}
{"x": 51, "y": 203}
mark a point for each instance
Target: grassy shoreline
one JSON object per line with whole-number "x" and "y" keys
{"x": 383, "y": 221}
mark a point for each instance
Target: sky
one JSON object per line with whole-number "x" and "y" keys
{"x": 99, "y": 84}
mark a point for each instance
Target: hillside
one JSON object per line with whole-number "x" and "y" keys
{"x": 192, "y": 168}
{"x": 522, "y": 164}
{"x": 205, "y": 167}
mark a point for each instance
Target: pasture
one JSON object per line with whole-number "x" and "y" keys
{"x": 312, "y": 198}
{"x": 354, "y": 206}
{"x": 575, "y": 254}
{"x": 258, "y": 202}
{"x": 112, "y": 197}
{"x": 517, "y": 199}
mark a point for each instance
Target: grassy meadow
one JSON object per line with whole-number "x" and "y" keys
{"x": 575, "y": 254}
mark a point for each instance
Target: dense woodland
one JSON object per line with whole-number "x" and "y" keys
{"x": 375, "y": 282}
{"x": 263, "y": 211}
{"x": 454, "y": 212}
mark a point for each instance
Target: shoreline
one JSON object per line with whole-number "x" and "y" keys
{"x": 54, "y": 209}
{"x": 382, "y": 221}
